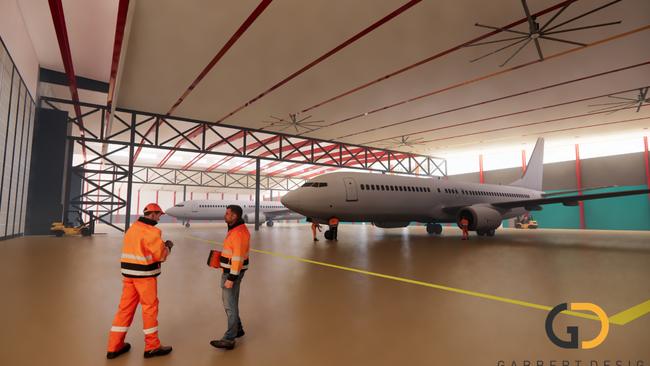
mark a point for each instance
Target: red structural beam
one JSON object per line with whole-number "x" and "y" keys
{"x": 441, "y": 54}
{"x": 120, "y": 25}
{"x": 58, "y": 18}
{"x": 198, "y": 157}
{"x": 523, "y": 161}
{"x": 238, "y": 33}
{"x": 351, "y": 40}
{"x": 335, "y": 155}
{"x": 592, "y": 76}
{"x": 480, "y": 169}
{"x": 579, "y": 186}
{"x": 323, "y": 57}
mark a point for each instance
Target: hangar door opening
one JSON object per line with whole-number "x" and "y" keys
{"x": 350, "y": 189}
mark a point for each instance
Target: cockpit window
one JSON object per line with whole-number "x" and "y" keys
{"x": 315, "y": 184}
{"x": 179, "y": 205}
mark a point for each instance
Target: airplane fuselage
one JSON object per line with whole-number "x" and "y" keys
{"x": 364, "y": 197}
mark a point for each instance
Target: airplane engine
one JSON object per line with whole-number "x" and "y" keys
{"x": 480, "y": 218}
{"x": 391, "y": 225}
{"x": 250, "y": 218}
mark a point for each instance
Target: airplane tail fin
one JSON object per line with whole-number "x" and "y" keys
{"x": 534, "y": 173}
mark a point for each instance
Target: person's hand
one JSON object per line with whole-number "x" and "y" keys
{"x": 169, "y": 244}
{"x": 228, "y": 284}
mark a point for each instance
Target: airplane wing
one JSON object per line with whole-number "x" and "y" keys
{"x": 567, "y": 200}
{"x": 575, "y": 191}
{"x": 535, "y": 203}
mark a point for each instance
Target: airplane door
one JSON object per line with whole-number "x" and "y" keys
{"x": 350, "y": 189}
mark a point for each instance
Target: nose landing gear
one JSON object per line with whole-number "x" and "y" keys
{"x": 434, "y": 228}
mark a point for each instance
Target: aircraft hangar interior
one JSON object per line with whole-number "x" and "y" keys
{"x": 325, "y": 182}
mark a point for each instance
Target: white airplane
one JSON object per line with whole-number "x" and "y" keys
{"x": 391, "y": 201}
{"x": 216, "y": 209}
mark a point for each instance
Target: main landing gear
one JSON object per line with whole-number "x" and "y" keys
{"x": 489, "y": 232}
{"x": 434, "y": 228}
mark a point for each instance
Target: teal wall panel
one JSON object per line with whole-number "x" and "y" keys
{"x": 621, "y": 213}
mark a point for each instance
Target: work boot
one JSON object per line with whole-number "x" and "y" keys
{"x": 315, "y": 239}
{"x": 125, "y": 348}
{"x": 160, "y": 351}
{"x": 223, "y": 343}
{"x": 240, "y": 333}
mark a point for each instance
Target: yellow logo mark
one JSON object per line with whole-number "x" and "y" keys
{"x": 604, "y": 323}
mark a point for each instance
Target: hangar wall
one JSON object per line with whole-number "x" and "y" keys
{"x": 626, "y": 171}
{"x": 17, "y": 110}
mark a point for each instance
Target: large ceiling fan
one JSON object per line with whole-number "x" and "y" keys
{"x": 624, "y": 102}
{"x": 302, "y": 125}
{"x": 536, "y": 33}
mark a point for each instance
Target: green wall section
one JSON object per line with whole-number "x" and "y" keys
{"x": 620, "y": 213}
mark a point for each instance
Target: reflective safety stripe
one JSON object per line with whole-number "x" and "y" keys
{"x": 227, "y": 265}
{"x": 235, "y": 258}
{"x": 140, "y": 273}
{"x": 226, "y": 251}
{"x": 150, "y": 330}
{"x": 119, "y": 329}
{"x": 137, "y": 257}
{"x": 234, "y": 273}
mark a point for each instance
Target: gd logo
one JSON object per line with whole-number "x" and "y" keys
{"x": 573, "y": 331}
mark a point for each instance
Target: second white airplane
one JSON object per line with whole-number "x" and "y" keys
{"x": 215, "y": 210}
{"x": 391, "y": 201}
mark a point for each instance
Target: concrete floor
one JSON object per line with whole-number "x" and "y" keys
{"x": 60, "y": 294}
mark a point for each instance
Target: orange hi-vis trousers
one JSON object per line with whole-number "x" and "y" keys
{"x": 134, "y": 291}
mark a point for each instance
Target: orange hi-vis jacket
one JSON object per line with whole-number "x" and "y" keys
{"x": 333, "y": 221}
{"x": 143, "y": 249}
{"x": 234, "y": 256}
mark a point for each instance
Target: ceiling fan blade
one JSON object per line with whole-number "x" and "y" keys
{"x": 500, "y": 29}
{"x": 539, "y": 49}
{"x": 555, "y": 16}
{"x": 498, "y": 50}
{"x": 497, "y": 41}
{"x": 582, "y": 28}
{"x": 584, "y": 14}
{"x": 563, "y": 41}
{"x": 516, "y": 52}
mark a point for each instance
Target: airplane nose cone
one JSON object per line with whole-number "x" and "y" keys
{"x": 289, "y": 200}
{"x": 171, "y": 211}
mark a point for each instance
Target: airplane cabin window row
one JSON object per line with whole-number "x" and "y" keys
{"x": 386, "y": 187}
{"x": 484, "y": 193}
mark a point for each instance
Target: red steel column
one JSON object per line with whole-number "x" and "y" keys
{"x": 579, "y": 186}
{"x": 222, "y": 196}
{"x": 191, "y": 196}
{"x": 523, "y": 161}
{"x": 647, "y": 162}
{"x": 480, "y": 168}
{"x": 236, "y": 196}
{"x": 157, "y": 197}
{"x": 207, "y": 195}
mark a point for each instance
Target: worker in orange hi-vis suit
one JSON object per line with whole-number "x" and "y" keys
{"x": 333, "y": 227}
{"x": 464, "y": 225}
{"x": 315, "y": 226}
{"x": 142, "y": 252}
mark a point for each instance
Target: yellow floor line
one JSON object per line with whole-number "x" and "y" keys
{"x": 630, "y": 314}
{"x": 621, "y": 318}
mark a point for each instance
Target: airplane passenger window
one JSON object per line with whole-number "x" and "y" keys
{"x": 382, "y": 187}
{"x": 362, "y": 188}
{"x": 373, "y": 186}
{"x": 438, "y": 190}
{"x": 307, "y": 184}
